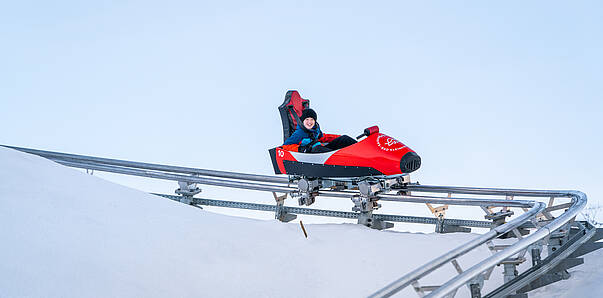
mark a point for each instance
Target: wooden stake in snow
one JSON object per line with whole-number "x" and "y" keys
{"x": 303, "y": 229}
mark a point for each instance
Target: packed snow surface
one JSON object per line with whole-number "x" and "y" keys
{"x": 68, "y": 234}
{"x": 586, "y": 280}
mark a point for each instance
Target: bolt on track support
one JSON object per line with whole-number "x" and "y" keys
{"x": 366, "y": 202}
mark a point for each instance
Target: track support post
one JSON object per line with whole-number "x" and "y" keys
{"x": 187, "y": 190}
{"x": 498, "y": 218}
{"x": 280, "y": 213}
{"x": 557, "y": 238}
{"x": 366, "y": 202}
{"x": 509, "y": 271}
{"x": 536, "y": 255}
{"x": 440, "y": 213}
{"x": 475, "y": 286}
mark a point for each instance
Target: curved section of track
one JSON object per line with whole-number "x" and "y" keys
{"x": 578, "y": 202}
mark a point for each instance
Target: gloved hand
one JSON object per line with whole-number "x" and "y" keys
{"x": 319, "y": 148}
{"x": 304, "y": 149}
{"x": 305, "y": 142}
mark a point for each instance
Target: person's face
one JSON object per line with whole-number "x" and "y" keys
{"x": 309, "y": 122}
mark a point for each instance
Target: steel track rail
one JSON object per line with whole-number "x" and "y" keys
{"x": 178, "y": 177}
{"x": 283, "y": 189}
{"x": 578, "y": 202}
{"x": 545, "y": 265}
{"x": 431, "y": 266}
{"x": 489, "y": 191}
{"x": 166, "y": 172}
{"x": 151, "y": 166}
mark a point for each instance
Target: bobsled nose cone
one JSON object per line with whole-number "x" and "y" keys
{"x": 410, "y": 162}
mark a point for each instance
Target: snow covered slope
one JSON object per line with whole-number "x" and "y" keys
{"x": 585, "y": 281}
{"x": 68, "y": 234}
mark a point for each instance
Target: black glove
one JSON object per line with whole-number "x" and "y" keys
{"x": 305, "y": 148}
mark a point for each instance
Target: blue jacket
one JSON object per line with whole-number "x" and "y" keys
{"x": 303, "y": 135}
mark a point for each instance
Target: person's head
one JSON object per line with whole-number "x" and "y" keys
{"x": 308, "y": 118}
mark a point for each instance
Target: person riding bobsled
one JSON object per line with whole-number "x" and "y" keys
{"x": 308, "y": 138}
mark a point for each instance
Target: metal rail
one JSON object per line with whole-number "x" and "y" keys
{"x": 431, "y": 266}
{"x": 578, "y": 202}
{"x": 530, "y": 218}
{"x": 177, "y": 177}
{"x": 285, "y": 189}
{"x": 550, "y": 262}
{"x": 491, "y": 191}
{"x": 151, "y": 166}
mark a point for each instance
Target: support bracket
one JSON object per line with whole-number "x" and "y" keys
{"x": 440, "y": 213}
{"x": 280, "y": 213}
{"x": 366, "y": 202}
{"x": 308, "y": 190}
{"x": 187, "y": 190}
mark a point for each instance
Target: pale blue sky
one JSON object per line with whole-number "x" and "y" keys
{"x": 489, "y": 94}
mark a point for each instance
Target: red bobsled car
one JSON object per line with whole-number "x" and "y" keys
{"x": 377, "y": 155}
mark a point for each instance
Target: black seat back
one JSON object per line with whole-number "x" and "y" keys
{"x": 291, "y": 110}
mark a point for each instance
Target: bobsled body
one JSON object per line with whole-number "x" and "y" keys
{"x": 375, "y": 155}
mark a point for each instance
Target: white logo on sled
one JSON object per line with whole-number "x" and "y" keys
{"x": 389, "y": 144}
{"x": 281, "y": 153}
